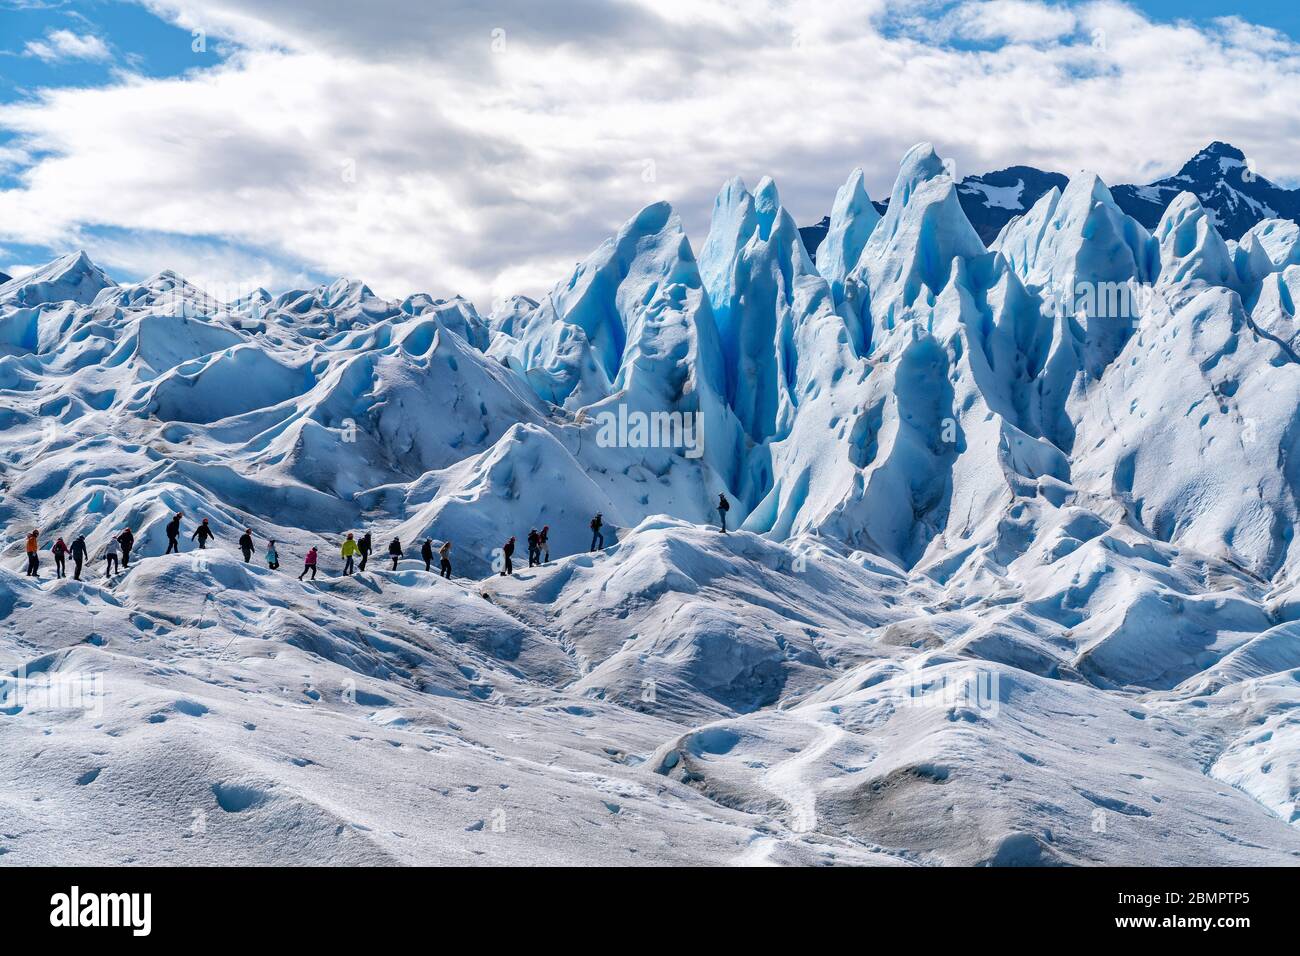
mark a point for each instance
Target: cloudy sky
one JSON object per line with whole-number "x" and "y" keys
{"x": 482, "y": 147}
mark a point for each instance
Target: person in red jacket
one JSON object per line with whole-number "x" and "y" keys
{"x": 309, "y": 564}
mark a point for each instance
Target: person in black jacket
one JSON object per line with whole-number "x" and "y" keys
{"x": 173, "y": 533}
{"x": 204, "y": 534}
{"x": 534, "y": 548}
{"x": 60, "y": 558}
{"x": 426, "y": 552}
{"x": 364, "y": 547}
{"x": 246, "y": 544}
{"x": 394, "y": 552}
{"x": 78, "y": 556}
{"x": 127, "y": 540}
{"x": 596, "y": 525}
{"x": 723, "y": 507}
{"x": 508, "y": 551}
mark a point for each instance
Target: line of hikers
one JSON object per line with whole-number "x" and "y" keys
{"x": 117, "y": 551}
{"x": 539, "y": 548}
{"x": 354, "y": 549}
{"x": 117, "y": 554}
{"x": 355, "y": 553}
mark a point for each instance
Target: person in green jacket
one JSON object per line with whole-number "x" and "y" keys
{"x": 349, "y": 552}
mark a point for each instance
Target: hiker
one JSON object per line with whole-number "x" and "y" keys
{"x": 349, "y": 551}
{"x": 272, "y": 556}
{"x": 544, "y": 542}
{"x": 60, "y": 559}
{"x": 126, "y": 539}
{"x": 246, "y": 544}
{"x": 508, "y": 551}
{"x": 33, "y": 559}
{"x": 173, "y": 533}
{"x": 203, "y": 533}
{"x": 309, "y": 564}
{"x": 596, "y": 525}
{"x": 110, "y": 558}
{"x": 364, "y": 547}
{"x": 444, "y": 568}
{"x": 723, "y": 507}
{"x": 426, "y": 552}
{"x": 394, "y": 552}
{"x": 78, "y": 556}
{"x": 534, "y": 548}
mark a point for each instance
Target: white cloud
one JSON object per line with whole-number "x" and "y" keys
{"x": 1017, "y": 21}
{"x": 226, "y": 271}
{"x": 422, "y": 156}
{"x": 65, "y": 45}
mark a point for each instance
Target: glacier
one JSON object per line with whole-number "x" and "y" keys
{"x": 1015, "y": 578}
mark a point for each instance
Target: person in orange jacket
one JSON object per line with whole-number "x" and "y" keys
{"x": 33, "y": 555}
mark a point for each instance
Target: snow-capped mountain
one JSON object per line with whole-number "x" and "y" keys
{"x": 1221, "y": 176}
{"x": 991, "y": 200}
{"x": 1228, "y": 185}
{"x": 1010, "y": 575}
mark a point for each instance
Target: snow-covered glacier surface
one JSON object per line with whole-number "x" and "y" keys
{"x": 1013, "y": 582}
